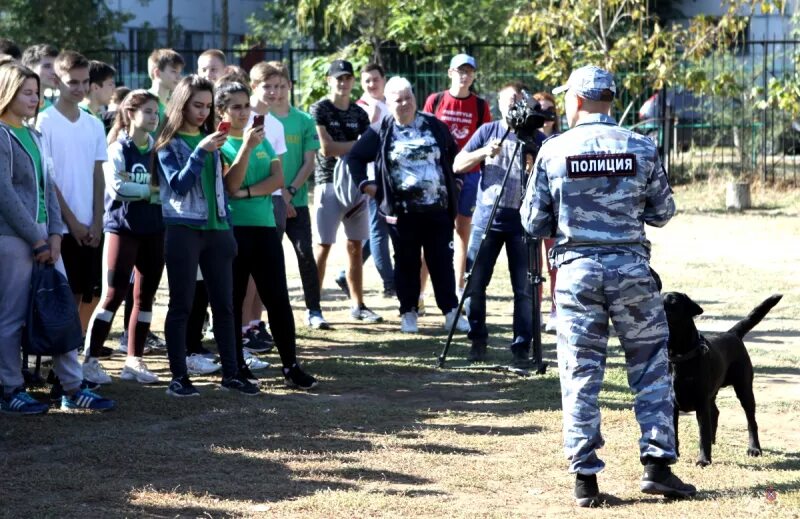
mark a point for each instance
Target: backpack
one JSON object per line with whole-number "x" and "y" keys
{"x": 346, "y": 190}
{"x": 481, "y": 105}
{"x": 53, "y": 326}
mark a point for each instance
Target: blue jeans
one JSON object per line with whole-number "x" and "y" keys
{"x": 378, "y": 247}
{"x": 481, "y": 274}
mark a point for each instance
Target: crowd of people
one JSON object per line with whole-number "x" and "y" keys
{"x": 204, "y": 174}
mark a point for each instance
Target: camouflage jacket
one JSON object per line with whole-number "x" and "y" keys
{"x": 594, "y": 188}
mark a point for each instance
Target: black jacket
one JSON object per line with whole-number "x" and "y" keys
{"x": 374, "y": 146}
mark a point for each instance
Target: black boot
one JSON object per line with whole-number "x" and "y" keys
{"x": 659, "y": 479}
{"x": 521, "y": 354}
{"x": 586, "y": 493}
{"x": 477, "y": 353}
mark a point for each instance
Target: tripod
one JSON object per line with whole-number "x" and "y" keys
{"x": 534, "y": 278}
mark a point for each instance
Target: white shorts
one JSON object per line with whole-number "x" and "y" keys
{"x": 330, "y": 213}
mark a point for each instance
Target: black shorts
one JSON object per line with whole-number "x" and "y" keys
{"x": 84, "y": 266}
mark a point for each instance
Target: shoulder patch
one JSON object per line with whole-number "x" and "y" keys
{"x": 602, "y": 165}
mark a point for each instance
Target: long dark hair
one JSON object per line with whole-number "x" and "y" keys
{"x": 132, "y": 102}
{"x": 225, "y": 91}
{"x": 183, "y": 93}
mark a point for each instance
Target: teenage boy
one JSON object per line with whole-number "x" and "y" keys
{"x": 339, "y": 124}
{"x": 101, "y": 89}
{"x": 164, "y": 67}
{"x": 302, "y": 142}
{"x": 484, "y": 149}
{"x": 373, "y": 79}
{"x": 77, "y": 145}
{"x": 463, "y": 112}
{"x": 40, "y": 58}
{"x": 211, "y": 64}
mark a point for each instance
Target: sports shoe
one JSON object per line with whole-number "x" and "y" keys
{"x": 408, "y": 322}
{"x": 21, "y": 403}
{"x": 241, "y": 384}
{"x": 659, "y": 479}
{"x": 252, "y": 341}
{"x": 462, "y": 325}
{"x": 587, "y": 495}
{"x": 254, "y": 362}
{"x": 341, "y": 281}
{"x": 362, "y": 313}
{"x": 521, "y": 355}
{"x": 86, "y": 399}
{"x": 247, "y": 374}
{"x": 154, "y": 343}
{"x": 477, "y": 352}
{"x": 421, "y": 307}
{"x": 123, "y": 344}
{"x": 264, "y": 334}
{"x": 104, "y": 352}
{"x": 182, "y": 387}
{"x": 315, "y": 320}
{"x": 197, "y": 364}
{"x": 136, "y": 369}
{"x": 297, "y": 378}
{"x": 93, "y": 372}
{"x": 203, "y": 352}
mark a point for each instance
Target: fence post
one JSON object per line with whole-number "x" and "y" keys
{"x": 764, "y": 118}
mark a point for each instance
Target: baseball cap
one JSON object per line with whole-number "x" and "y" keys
{"x": 340, "y": 67}
{"x": 462, "y": 59}
{"x": 589, "y": 82}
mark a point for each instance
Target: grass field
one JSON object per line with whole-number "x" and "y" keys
{"x": 388, "y": 435}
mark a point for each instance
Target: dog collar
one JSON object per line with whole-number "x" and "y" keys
{"x": 700, "y": 349}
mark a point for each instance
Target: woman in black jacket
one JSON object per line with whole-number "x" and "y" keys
{"x": 416, "y": 192}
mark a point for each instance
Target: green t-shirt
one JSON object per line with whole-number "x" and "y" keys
{"x": 256, "y": 211}
{"x": 208, "y": 180}
{"x": 301, "y": 136}
{"x": 24, "y": 136}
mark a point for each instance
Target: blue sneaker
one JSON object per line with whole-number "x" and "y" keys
{"x": 86, "y": 399}
{"x": 21, "y": 403}
{"x": 182, "y": 387}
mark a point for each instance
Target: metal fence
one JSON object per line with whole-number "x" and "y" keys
{"x": 724, "y": 133}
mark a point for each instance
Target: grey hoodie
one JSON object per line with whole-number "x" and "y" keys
{"x": 19, "y": 191}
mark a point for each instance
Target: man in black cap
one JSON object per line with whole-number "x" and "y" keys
{"x": 339, "y": 124}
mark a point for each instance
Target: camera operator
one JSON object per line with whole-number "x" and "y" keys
{"x": 485, "y": 149}
{"x": 595, "y": 187}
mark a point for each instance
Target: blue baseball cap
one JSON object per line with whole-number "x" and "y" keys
{"x": 589, "y": 82}
{"x": 462, "y": 59}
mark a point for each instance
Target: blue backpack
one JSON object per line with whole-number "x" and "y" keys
{"x": 53, "y": 326}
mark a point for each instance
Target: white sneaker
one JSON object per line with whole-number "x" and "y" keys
{"x": 408, "y": 322}
{"x": 136, "y": 369}
{"x": 93, "y": 372}
{"x": 253, "y": 362}
{"x": 315, "y": 321}
{"x": 462, "y": 325}
{"x": 196, "y": 364}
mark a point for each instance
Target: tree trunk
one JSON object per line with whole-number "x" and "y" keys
{"x": 737, "y": 196}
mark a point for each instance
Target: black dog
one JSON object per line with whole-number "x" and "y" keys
{"x": 701, "y": 366}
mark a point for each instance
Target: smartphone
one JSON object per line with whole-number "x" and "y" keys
{"x": 224, "y": 127}
{"x": 258, "y": 120}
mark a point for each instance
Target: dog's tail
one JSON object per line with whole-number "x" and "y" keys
{"x": 753, "y": 318}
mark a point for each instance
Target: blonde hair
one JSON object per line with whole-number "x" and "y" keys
{"x": 12, "y": 75}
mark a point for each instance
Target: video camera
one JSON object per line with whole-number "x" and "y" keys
{"x": 526, "y": 116}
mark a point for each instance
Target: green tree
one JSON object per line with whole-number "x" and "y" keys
{"x": 77, "y": 24}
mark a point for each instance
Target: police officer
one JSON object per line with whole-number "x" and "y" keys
{"x": 594, "y": 188}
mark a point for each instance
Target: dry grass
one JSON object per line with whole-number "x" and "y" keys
{"x": 387, "y": 435}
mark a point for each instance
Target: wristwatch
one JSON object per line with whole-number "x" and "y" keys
{"x": 292, "y": 190}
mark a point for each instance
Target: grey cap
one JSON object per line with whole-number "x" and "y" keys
{"x": 589, "y": 82}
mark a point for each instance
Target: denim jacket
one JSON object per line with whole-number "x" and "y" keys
{"x": 182, "y": 198}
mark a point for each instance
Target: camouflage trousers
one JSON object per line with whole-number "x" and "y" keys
{"x": 589, "y": 291}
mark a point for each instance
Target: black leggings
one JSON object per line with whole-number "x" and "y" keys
{"x": 122, "y": 254}
{"x": 261, "y": 255}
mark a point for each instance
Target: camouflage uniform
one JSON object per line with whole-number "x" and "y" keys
{"x": 595, "y": 187}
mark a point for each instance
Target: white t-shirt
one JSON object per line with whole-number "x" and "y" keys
{"x": 371, "y": 106}
{"x": 273, "y": 133}
{"x": 74, "y": 147}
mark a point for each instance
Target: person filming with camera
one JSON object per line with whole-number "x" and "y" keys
{"x": 488, "y": 149}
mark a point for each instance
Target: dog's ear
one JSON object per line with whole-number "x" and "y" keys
{"x": 693, "y": 308}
